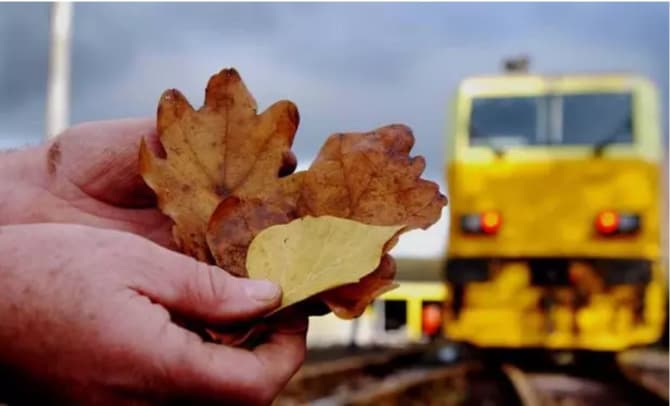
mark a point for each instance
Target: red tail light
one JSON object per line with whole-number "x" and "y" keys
{"x": 610, "y": 223}
{"x": 490, "y": 222}
{"x": 607, "y": 222}
{"x": 487, "y": 222}
{"x": 431, "y": 319}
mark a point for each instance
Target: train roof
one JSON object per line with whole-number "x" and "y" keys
{"x": 535, "y": 82}
{"x": 551, "y": 77}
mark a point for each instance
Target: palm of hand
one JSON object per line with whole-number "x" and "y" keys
{"x": 90, "y": 176}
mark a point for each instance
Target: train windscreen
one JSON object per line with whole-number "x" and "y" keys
{"x": 568, "y": 119}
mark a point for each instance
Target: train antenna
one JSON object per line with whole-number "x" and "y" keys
{"x": 518, "y": 64}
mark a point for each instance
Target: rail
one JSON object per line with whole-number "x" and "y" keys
{"x": 416, "y": 376}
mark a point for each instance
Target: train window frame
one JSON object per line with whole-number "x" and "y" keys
{"x": 540, "y": 126}
{"x": 629, "y": 120}
{"x": 550, "y": 121}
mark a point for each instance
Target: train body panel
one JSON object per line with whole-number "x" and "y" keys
{"x": 548, "y": 208}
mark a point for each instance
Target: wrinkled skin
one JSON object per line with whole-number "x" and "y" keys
{"x": 88, "y": 175}
{"x": 88, "y": 312}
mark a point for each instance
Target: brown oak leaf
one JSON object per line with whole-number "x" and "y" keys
{"x": 221, "y": 149}
{"x": 236, "y": 222}
{"x": 370, "y": 177}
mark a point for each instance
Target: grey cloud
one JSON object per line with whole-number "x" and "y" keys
{"x": 108, "y": 37}
{"x": 348, "y": 66}
{"x": 23, "y": 53}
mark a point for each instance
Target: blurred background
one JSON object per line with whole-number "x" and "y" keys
{"x": 346, "y": 66}
{"x": 358, "y": 66}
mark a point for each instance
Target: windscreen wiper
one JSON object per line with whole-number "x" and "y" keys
{"x": 497, "y": 149}
{"x": 600, "y": 146}
{"x": 611, "y": 137}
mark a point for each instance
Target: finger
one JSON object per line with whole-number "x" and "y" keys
{"x": 195, "y": 289}
{"x": 292, "y": 319}
{"x": 249, "y": 335}
{"x": 217, "y": 372}
{"x": 107, "y": 168}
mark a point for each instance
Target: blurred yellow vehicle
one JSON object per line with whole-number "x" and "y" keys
{"x": 555, "y": 232}
{"x": 555, "y": 218}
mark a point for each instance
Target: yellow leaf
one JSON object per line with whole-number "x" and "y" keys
{"x": 313, "y": 254}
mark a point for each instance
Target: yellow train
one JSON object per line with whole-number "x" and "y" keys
{"x": 555, "y": 236}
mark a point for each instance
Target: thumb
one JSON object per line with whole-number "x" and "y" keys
{"x": 208, "y": 293}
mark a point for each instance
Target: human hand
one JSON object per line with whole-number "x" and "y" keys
{"x": 86, "y": 318}
{"x": 87, "y": 175}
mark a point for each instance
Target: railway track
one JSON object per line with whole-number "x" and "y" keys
{"x": 558, "y": 389}
{"x": 341, "y": 372}
{"x": 648, "y": 368}
{"x": 416, "y": 376}
{"x": 410, "y": 376}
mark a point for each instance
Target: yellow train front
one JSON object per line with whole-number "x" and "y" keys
{"x": 555, "y": 213}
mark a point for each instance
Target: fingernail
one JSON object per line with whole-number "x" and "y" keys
{"x": 264, "y": 291}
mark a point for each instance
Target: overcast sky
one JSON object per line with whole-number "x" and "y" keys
{"x": 347, "y": 66}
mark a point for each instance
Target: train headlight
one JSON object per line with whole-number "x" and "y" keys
{"x": 610, "y": 222}
{"x": 488, "y": 222}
